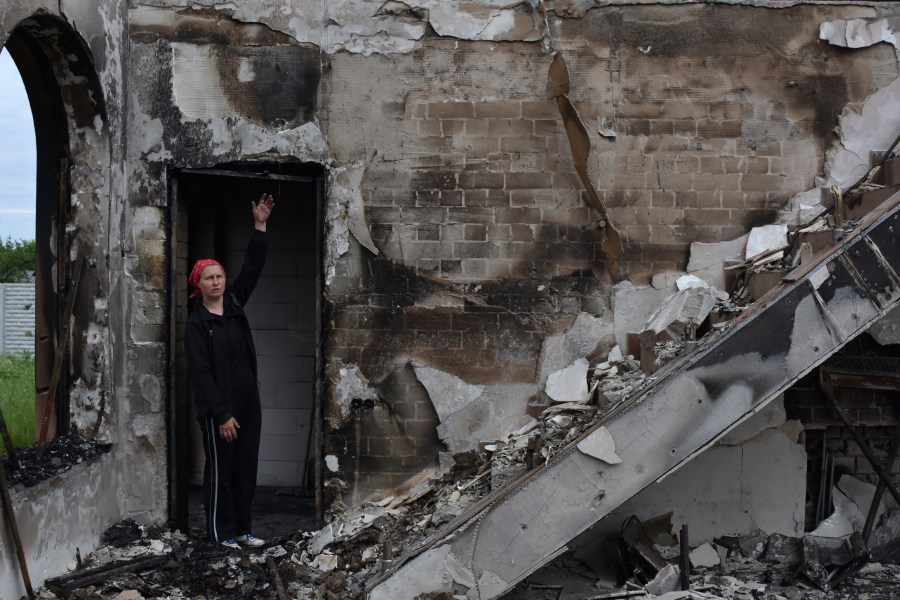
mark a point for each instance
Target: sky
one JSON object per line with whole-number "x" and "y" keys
{"x": 17, "y": 155}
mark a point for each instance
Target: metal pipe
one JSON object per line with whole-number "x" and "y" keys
{"x": 685, "y": 558}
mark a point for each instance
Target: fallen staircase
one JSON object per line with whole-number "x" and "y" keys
{"x": 815, "y": 310}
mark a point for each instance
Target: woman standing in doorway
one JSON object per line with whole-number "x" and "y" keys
{"x": 223, "y": 375}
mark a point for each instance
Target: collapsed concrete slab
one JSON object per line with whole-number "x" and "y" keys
{"x": 513, "y": 531}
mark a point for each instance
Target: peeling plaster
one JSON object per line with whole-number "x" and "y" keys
{"x": 347, "y": 190}
{"x": 305, "y": 142}
{"x": 860, "y": 33}
{"x": 498, "y": 412}
{"x": 582, "y": 339}
{"x": 365, "y": 27}
{"x": 601, "y": 445}
{"x": 449, "y": 394}
{"x": 569, "y": 384}
{"x": 347, "y": 384}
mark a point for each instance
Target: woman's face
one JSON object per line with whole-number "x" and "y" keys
{"x": 212, "y": 282}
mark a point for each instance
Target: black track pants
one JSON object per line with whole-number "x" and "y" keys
{"x": 229, "y": 476}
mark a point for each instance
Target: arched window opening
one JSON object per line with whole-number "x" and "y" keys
{"x": 17, "y": 255}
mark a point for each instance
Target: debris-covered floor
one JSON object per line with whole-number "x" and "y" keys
{"x": 349, "y": 553}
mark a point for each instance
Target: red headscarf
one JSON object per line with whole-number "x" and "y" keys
{"x": 194, "y": 277}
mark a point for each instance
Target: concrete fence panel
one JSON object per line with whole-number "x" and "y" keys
{"x": 16, "y": 317}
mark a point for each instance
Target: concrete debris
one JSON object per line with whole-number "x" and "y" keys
{"x": 705, "y": 555}
{"x": 601, "y": 445}
{"x": 687, "y": 307}
{"x": 569, "y": 384}
{"x": 690, "y": 281}
{"x": 449, "y": 394}
{"x": 667, "y": 580}
{"x": 766, "y": 241}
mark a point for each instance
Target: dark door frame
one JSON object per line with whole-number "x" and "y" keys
{"x": 178, "y": 409}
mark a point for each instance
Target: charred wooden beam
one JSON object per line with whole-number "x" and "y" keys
{"x": 62, "y": 586}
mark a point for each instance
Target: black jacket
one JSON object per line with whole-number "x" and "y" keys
{"x": 205, "y": 342}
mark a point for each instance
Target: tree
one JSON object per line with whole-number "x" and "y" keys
{"x": 17, "y": 259}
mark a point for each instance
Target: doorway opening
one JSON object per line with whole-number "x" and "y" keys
{"x": 211, "y": 218}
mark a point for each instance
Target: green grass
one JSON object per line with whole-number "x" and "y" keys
{"x": 17, "y": 398}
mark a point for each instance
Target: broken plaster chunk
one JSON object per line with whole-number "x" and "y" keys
{"x": 331, "y": 461}
{"x": 449, "y": 394}
{"x": 666, "y": 580}
{"x": 347, "y": 188}
{"x": 569, "y": 384}
{"x": 765, "y": 239}
{"x": 601, "y": 445}
{"x": 704, "y": 556}
{"x": 690, "y": 281}
{"x": 614, "y": 355}
{"x": 325, "y": 562}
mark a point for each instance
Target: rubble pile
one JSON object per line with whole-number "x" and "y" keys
{"x": 59, "y": 455}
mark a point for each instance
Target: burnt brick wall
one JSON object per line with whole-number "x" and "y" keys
{"x": 712, "y": 118}
{"x": 872, "y": 412}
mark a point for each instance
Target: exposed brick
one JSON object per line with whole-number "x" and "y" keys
{"x": 706, "y": 216}
{"x": 451, "y": 198}
{"x": 502, "y": 109}
{"x": 676, "y": 181}
{"x": 522, "y": 198}
{"x": 474, "y": 267}
{"x": 475, "y": 232}
{"x": 709, "y": 199}
{"x": 484, "y": 216}
{"x": 451, "y": 267}
{"x": 428, "y": 232}
{"x": 762, "y": 183}
{"x": 662, "y": 127}
{"x": 545, "y": 109}
{"x": 481, "y": 180}
{"x": 685, "y": 126}
{"x": 663, "y": 199}
{"x": 486, "y": 198}
{"x": 428, "y": 198}
{"x": 429, "y": 128}
{"x": 546, "y": 232}
{"x": 453, "y": 127}
{"x": 725, "y": 111}
{"x": 528, "y": 180}
{"x": 686, "y": 199}
{"x": 451, "y": 110}
{"x": 482, "y": 146}
{"x": 548, "y": 127}
{"x": 464, "y": 250}
{"x": 634, "y": 126}
{"x": 756, "y": 165}
{"x": 498, "y": 233}
{"x": 523, "y": 144}
{"x": 476, "y": 127}
{"x": 521, "y": 233}
{"x": 497, "y": 269}
{"x": 433, "y": 180}
{"x": 507, "y": 127}
{"x": 725, "y": 181}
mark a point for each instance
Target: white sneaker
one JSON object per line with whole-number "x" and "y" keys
{"x": 231, "y": 544}
{"x": 248, "y": 539}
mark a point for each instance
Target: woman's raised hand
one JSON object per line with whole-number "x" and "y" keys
{"x": 262, "y": 210}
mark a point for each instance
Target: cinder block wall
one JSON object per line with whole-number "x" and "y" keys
{"x": 704, "y": 121}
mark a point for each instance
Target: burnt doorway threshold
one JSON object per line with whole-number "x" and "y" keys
{"x": 277, "y": 512}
